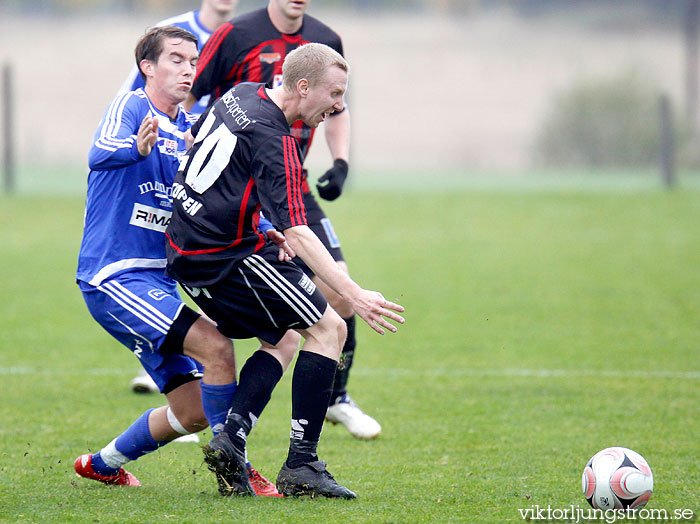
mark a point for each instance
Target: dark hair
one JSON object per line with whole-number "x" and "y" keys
{"x": 150, "y": 45}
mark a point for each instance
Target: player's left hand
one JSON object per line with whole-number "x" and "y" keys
{"x": 330, "y": 185}
{"x": 372, "y": 307}
{"x": 286, "y": 253}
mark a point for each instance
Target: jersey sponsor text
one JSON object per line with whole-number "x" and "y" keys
{"x": 149, "y": 217}
{"x": 238, "y": 114}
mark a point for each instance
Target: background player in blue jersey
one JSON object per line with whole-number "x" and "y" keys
{"x": 245, "y": 159}
{"x": 202, "y": 23}
{"x": 252, "y": 47}
{"x": 133, "y": 160}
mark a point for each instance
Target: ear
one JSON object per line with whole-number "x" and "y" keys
{"x": 146, "y": 67}
{"x": 303, "y": 87}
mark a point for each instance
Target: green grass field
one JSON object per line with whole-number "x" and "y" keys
{"x": 542, "y": 325}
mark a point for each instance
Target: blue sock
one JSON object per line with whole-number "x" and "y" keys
{"x": 99, "y": 466}
{"x": 136, "y": 441}
{"x": 216, "y": 401}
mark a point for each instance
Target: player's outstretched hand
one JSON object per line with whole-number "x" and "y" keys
{"x": 147, "y": 135}
{"x": 286, "y": 253}
{"x": 372, "y": 307}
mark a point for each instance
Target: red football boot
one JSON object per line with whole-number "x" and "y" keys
{"x": 83, "y": 468}
{"x": 262, "y": 486}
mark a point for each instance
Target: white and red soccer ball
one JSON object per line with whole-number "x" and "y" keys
{"x": 617, "y": 478}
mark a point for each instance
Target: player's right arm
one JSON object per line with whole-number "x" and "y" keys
{"x": 116, "y": 140}
{"x": 279, "y": 180}
{"x": 371, "y": 306}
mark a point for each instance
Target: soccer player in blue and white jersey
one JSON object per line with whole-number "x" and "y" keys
{"x": 200, "y": 22}
{"x": 121, "y": 265}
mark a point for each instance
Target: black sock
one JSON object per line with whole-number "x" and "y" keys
{"x": 311, "y": 390}
{"x": 340, "y": 384}
{"x": 258, "y": 378}
{"x": 301, "y": 452}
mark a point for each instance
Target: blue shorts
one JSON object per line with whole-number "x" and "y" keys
{"x": 140, "y": 309}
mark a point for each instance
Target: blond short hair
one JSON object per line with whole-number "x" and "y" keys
{"x": 310, "y": 61}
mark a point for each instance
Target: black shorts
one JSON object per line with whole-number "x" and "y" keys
{"x": 321, "y": 225}
{"x": 262, "y": 297}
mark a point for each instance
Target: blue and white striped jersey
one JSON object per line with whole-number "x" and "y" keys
{"x": 190, "y": 22}
{"x": 129, "y": 197}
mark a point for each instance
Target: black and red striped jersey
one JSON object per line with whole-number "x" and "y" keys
{"x": 250, "y": 49}
{"x": 243, "y": 158}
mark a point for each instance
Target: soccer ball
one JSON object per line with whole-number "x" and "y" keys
{"x": 617, "y": 478}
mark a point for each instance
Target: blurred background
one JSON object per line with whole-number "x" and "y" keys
{"x": 454, "y": 90}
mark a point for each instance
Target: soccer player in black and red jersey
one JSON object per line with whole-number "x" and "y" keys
{"x": 244, "y": 159}
{"x": 252, "y": 48}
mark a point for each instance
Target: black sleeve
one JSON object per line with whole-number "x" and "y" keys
{"x": 278, "y": 178}
{"x": 215, "y": 61}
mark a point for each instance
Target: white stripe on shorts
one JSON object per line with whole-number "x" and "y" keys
{"x": 286, "y": 291}
{"x": 274, "y": 273}
{"x": 137, "y": 306}
{"x": 258, "y": 297}
{"x": 296, "y": 294}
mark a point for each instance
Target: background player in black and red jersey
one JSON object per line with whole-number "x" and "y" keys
{"x": 244, "y": 158}
{"x": 252, "y": 48}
